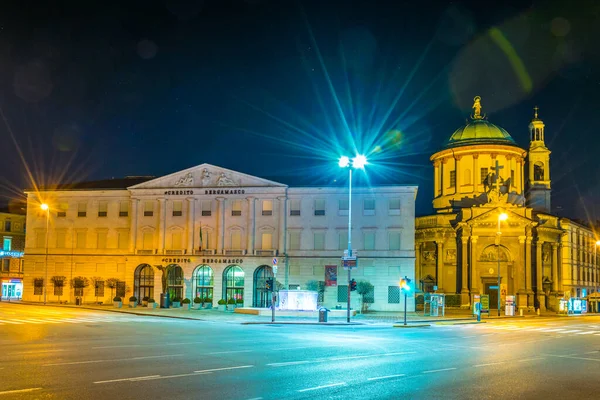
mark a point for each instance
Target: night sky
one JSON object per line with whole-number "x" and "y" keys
{"x": 279, "y": 89}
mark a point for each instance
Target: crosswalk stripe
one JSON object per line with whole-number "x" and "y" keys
{"x": 587, "y": 333}
{"x": 11, "y": 322}
{"x": 572, "y": 331}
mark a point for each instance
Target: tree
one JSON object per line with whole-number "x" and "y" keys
{"x": 59, "y": 283}
{"x": 79, "y": 283}
{"x": 364, "y": 288}
{"x": 111, "y": 283}
{"x": 96, "y": 282}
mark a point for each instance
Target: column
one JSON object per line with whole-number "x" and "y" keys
{"x": 191, "y": 228}
{"x": 457, "y": 175}
{"x": 465, "y": 271}
{"x": 440, "y": 266}
{"x": 443, "y": 170}
{"x": 554, "y": 267}
{"x": 538, "y": 274}
{"x": 474, "y": 269}
{"x": 220, "y": 224}
{"x": 162, "y": 222}
{"x": 528, "y": 271}
{"x": 521, "y": 286}
{"x": 476, "y": 178}
{"x": 282, "y": 233}
{"x": 418, "y": 268}
{"x": 133, "y": 226}
{"x": 436, "y": 179}
{"x": 250, "y": 225}
{"x": 560, "y": 267}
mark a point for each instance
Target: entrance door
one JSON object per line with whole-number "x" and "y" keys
{"x": 262, "y": 297}
{"x": 493, "y": 295}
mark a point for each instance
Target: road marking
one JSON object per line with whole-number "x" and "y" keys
{"x": 586, "y": 333}
{"x": 20, "y": 391}
{"x": 113, "y": 360}
{"x": 139, "y": 378}
{"x": 530, "y": 359}
{"x": 322, "y": 387}
{"x": 385, "y": 377}
{"x": 36, "y": 351}
{"x": 577, "y": 358}
{"x": 573, "y": 331}
{"x": 284, "y": 364}
{"x": 11, "y": 322}
{"x": 223, "y": 369}
{"x": 437, "y": 370}
{"x": 485, "y": 365}
{"x": 144, "y": 345}
{"x": 592, "y": 352}
{"x": 230, "y": 352}
{"x": 467, "y": 337}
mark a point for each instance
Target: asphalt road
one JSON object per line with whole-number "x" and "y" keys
{"x": 59, "y": 353}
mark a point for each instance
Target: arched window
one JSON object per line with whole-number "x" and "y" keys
{"x": 203, "y": 282}
{"x": 467, "y": 177}
{"x": 233, "y": 283}
{"x": 262, "y": 297}
{"x": 143, "y": 282}
{"x": 174, "y": 281}
{"x": 538, "y": 171}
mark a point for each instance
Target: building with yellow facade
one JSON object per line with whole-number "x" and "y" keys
{"x": 493, "y": 223}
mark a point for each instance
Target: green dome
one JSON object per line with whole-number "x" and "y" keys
{"x": 479, "y": 131}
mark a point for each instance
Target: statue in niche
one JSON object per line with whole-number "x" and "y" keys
{"x": 206, "y": 175}
{"x": 546, "y": 256}
{"x": 451, "y": 255}
{"x": 224, "y": 180}
{"x": 429, "y": 255}
{"x": 490, "y": 254}
{"x": 187, "y": 180}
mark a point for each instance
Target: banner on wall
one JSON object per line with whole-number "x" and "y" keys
{"x": 331, "y": 275}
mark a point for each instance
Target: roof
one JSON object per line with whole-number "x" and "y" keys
{"x": 479, "y": 131}
{"x": 105, "y": 184}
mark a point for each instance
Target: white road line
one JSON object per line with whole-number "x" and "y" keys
{"x": 552, "y": 330}
{"x": 467, "y": 337}
{"x": 530, "y": 359}
{"x": 586, "y": 333}
{"x": 144, "y": 345}
{"x": 284, "y": 364}
{"x": 37, "y": 351}
{"x": 113, "y": 360}
{"x": 385, "y": 377}
{"x": 255, "y": 398}
{"x": 139, "y": 378}
{"x": 573, "y": 331}
{"x": 579, "y": 358}
{"x": 20, "y": 391}
{"x": 437, "y": 370}
{"x": 322, "y": 387}
{"x": 223, "y": 369}
{"x": 591, "y": 352}
{"x": 488, "y": 364}
{"x": 230, "y": 352}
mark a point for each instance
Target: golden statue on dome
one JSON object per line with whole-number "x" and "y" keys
{"x": 477, "y": 108}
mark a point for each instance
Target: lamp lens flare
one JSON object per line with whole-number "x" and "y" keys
{"x": 503, "y": 216}
{"x": 359, "y": 161}
{"x": 343, "y": 161}
{"x": 44, "y": 206}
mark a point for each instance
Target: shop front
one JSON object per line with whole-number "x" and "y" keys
{"x": 12, "y": 289}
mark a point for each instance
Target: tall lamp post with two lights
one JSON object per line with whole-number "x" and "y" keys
{"x": 357, "y": 162}
{"x": 46, "y": 208}
{"x": 501, "y": 217}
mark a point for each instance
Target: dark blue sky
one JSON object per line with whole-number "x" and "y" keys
{"x": 279, "y": 89}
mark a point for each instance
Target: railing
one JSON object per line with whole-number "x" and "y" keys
{"x": 145, "y": 252}
{"x": 235, "y": 252}
{"x": 206, "y": 252}
{"x": 173, "y": 252}
{"x": 265, "y": 253}
{"x": 9, "y": 274}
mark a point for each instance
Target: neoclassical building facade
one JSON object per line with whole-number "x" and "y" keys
{"x": 216, "y": 232}
{"x": 481, "y": 176}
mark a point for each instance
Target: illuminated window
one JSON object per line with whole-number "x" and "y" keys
{"x": 82, "y": 209}
{"x": 102, "y": 209}
{"x": 295, "y": 207}
{"x": 7, "y": 245}
{"x": 101, "y": 240}
{"x": 452, "y": 178}
{"x": 267, "y": 241}
{"x": 62, "y": 210}
{"x": 148, "y": 208}
{"x": 320, "y": 207}
{"x": 177, "y": 207}
{"x": 267, "y": 207}
{"x": 236, "y": 208}
{"x": 123, "y": 209}
{"x": 483, "y": 174}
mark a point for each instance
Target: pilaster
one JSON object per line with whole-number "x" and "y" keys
{"x": 134, "y": 225}
{"x": 191, "y": 227}
{"x": 554, "y": 267}
{"x": 162, "y": 224}
{"x": 251, "y": 225}
{"x": 440, "y": 266}
{"x": 474, "y": 268}
{"x": 220, "y": 224}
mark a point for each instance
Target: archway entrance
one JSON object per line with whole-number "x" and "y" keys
{"x": 262, "y": 297}
{"x": 174, "y": 281}
{"x": 203, "y": 282}
{"x": 143, "y": 282}
{"x": 233, "y": 283}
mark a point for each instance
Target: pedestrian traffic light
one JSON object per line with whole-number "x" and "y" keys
{"x": 405, "y": 284}
{"x": 352, "y": 285}
{"x": 269, "y": 284}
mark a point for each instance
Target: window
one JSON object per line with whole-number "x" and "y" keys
{"x": 295, "y": 207}
{"x": 82, "y": 209}
{"x": 123, "y": 240}
{"x": 123, "y": 209}
{"x": 319, "y": 238}
{"x": 369, "y": 240}
{"x": 99, "y": 289}
{"x": 148, "y": 208}
{"x": 62, "y": 210}
{"x": 319, "y": 207}
{"x": 101, "y": 240}
{"x": 40, "y": 239}
{"x": 369, "y": 207}
{"x": 394, "y": 206}
{"x": 394, "y": 238}
{"x": 393, "y": 294}
{"x": 236, "y": 208}
{"x": 343, "y": 206}
{"x": 452, "y": 179}
{"x": 206, "y": 208}
{"x": 7, "y": 226}
{"x": 233, "y": 283}
{"x": 483, "y": 174}
{"x": 176, "y": 241}
{"x": 38, "y": 286}
{"x": 147, "y": 241}
{"x": 61, "y": 240}
{"x": 294, "y": 240}
{"x": 204, "y": 282}
{"x": 102, "y": 209}
{"x": 236, "y": 240}
{"x": 267, "y": 241}
{"x": 267, "y": 207}
{"x": 7, "y": 244}
{"x": 177, "y": 207}
{"x": 5, "y": 264}
{"x": 120, "y": 289}
{"x": 343, "y": 240}
{"x": 81, "y": 238}
{"x": 467, "y": 177}
{"x": 342, "y": 294}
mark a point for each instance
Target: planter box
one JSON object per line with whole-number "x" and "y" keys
{"x": 118, "y": 304}
{"x": 208, "y": 306}
{"x": 132, "y": 304}
{"x": 186, "y": 306}
{"x": 198, "y": 306}
{"x": 222, "y": 307}
{"x": 144, "y": 303}
{"x": 175, "y": 304}
{"x": 152, "y": 305}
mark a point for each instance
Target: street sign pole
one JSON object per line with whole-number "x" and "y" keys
{"x": 405, "y": 298}
{"x": 273, "y": 295}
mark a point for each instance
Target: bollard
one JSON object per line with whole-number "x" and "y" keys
{"x": 538, "y": 312}
{"x": 521, "y": 312}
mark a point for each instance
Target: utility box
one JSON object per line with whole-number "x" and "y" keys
{"x": 323, "y": 314}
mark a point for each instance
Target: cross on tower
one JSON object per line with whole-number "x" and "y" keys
{"x": 535, "y": 111}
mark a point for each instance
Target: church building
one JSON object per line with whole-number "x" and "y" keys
{"x": 493, "y": 230}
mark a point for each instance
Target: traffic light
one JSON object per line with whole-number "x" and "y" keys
{"x": 405, "y": 284}
{"x": 269, "y": 284}
{"x": 352, "y": 285}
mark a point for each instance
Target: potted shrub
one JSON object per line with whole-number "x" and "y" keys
{"x": 176, "y": 302}
{"x": 239, "y": 303}
{"x": 197, "y": 302}
{"x": 187, "y": 304}
{"x": 231, "y": 302}
{"x": 208, "y": 303}
{"x": 132, "y": 302}
{"x": 117, "y": 302}
{"x": 151, "y": 303}
{"x": 145, "y": 301}
{"x": 222, "y": 305}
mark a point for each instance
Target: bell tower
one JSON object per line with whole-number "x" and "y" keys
{"x": 538, "y": 189}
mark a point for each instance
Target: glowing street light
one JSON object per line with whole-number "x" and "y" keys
{"x": 46, "y": 208}
{"x": 357, "y": 162}
{"x": 501, "y": 217}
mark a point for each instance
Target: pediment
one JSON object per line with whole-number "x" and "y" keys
{"x": 206, "y": 176}
{"x": 491, "y": 217}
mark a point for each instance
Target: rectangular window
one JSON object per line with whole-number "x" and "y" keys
{"x": 102, "y": 209}
{"x": 38, "y": 286}
{"x": 5, "y": 264}
{"x": 342, "y": 293}
{"x": 369, "y": 207}
{"x": 40, "y": 239}
{"x": 120, "y": 289}
{"x": 81, "y": 240}
{"x": 483, "y": 174}
{"x": 99, "y": 289}
{"x": 61, "y": 238}
{"x": 512, "y": 177}
{"x": 267, "y": 241}
{"x": 319, "y": 238}
{"x": 7, "y": 244}
{"x": 123, "y": 240}
{"x": 148, "y": 208}
{"x": 147, "y": 241}
{"x": 295, "y": 207}
{"x": 62, "y": 210}
{"x": 320, "y": 207}
{"x": 394, "y": 206}
{"x": 82, "y": 209}
{"x": 206, "y": 208}
{"x": 58, "y": 289}
{"x": 7, "y": 226}
{"x": 177, "y": 208}
{"x": 123, "y": 209}
{"x": 294, "y": 240}
{"x": 101, "y": 240}
{"x": 267, "y": 207}
{"x": 394, "y": 238}
{"x": 393, "y": 294}
{"x": 343, "y": 205}
{"x": 176, "y": 241}
{"x": 343, "y": 240}
{"x": 236, "y": 208}
{"x": 236, "y": 240}
{"x": 369, "y": 238}
{"x": 452, "y": 179}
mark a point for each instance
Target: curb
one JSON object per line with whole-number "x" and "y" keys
{"x": 304, "y": 323}
{"x": 410, "y": 326}
{"x": 462, "y": 323}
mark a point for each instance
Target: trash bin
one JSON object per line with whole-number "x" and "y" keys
{"x": 323, "y": 314}
{"x": 77, "y": 301}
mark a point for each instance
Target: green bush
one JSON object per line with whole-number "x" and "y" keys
{"x": 208, "y": 300}
{"x": 133, "y": 299}
{"x": 145, "y": 298}
{"x": 186, "y": 301}
{"x": 176, "y": 299}
{"x": 117, "y": 298}
{"x": 231, "y": 301}
{"x": 197, "y": 300}
{"x": 222, "y": 302}
{"x": 420, "y": 299}
{"x": 151, "y": 300}
{"x": 240, "y": 301}
{"x": 453, "y": 300}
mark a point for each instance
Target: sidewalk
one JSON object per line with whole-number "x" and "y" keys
{"x": 372, "y": 318}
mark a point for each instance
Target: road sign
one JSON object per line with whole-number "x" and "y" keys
{"x": 274, "y": 269}
{"x": 349, "y": 262}
{"x": 274, "y": 260}
{"x": 494, "y": 287}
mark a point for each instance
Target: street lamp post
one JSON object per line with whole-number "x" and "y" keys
{"x": 597, "y": 268}
{"x": 357, "y": 162}
{"x": 501, "y": 217}
{"x": 45, "y": 207}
